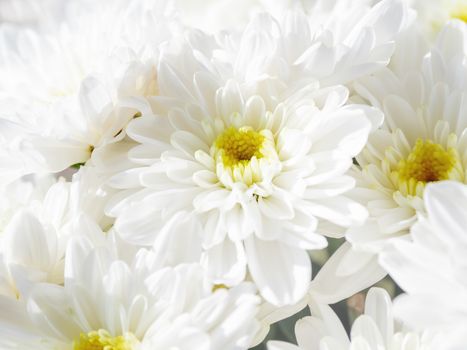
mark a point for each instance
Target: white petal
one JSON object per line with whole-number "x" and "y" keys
{"x": 328, "y": 287}
{"x": 445, "y": 203}
{"x": 139, "y": 225}
{"x": 216, "y": 198}
{"x": 364, "y": 327}
{"x": 226, "y": 263}
{"x": 404, "y": 260}
{"x": 57, "y": 155}
{"x": 27, "y": 243}
{"x": 279, "y": 345}
{"x": 378, "y": 306}
{"x": 339, "y": 210}
{"x": 328, "y": 323}
{"x": 180, "y": 240}
{"x": 275, "y": 207}
{"x": 49, "y": 309}
{"x": 309, "y": 331}
{"x": 282, "y": 273}
{"x": 360, "y": 344}
{"x": 230, "y": 100}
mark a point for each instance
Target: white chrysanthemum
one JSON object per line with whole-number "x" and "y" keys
{"x": 324, "y": 15}
{"x": 375, "y": 329}
{"x": 431, "y": 267}
{"x": 237, "y": 154}
{"x": 37, "y": 217}
{"x": 257, "y": 177}
{"x": 423, "y": 140}
{"x": 334, "y": 42}
{"x": 59, "y": 59}
{"x": 29, "y": 249}
{"x": 106, "y": 303}
{"x": 65, "y": 90}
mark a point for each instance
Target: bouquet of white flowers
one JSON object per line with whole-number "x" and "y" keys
{"x": 230, "y": 175}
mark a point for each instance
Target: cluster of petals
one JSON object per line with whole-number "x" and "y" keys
{"x": 169, "y": 174}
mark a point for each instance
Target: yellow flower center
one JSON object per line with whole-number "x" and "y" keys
{"x": 218, "y": 287}
{"x": 460, "y": 12}
{"x": 239, "y": 146}
{"x": 102, "y": 340}
{"x": 428, "y": 162}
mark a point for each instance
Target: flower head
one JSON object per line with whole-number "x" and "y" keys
{"x": 422, "y": 141}
{"x": 430, "y": 267}
{"x": 375, "y": 329}
{"x": 135, "y": 305}
{"x": 255, "y": 177}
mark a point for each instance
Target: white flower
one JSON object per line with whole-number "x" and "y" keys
{"x": 107, "y": 302}
{"x": 375, "y": 329}
{"x": 59, "y": 59}
{"x": 252, "y": 148}
{"x": 423, "y": 140}
{"x": 333, "y": 42}
{"x": 256, "y": 205}
{"x": 64, "y": 90}
{"x": 256, "y": 177}
{"x": 30, "y": 249}
{"x": 431, "y": 267}
{"x": 37, "y": 217}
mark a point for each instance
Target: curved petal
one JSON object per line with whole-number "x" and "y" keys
{"x": 226, "y": 263}
{"x": 378, "y": 306}
{"x": 329, "y": 287}
{"x": 282, "y": 273}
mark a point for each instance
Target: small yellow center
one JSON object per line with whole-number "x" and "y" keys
{"x": 102, "y": 340}
{"x": 460, "y": 12}
{"x": 428, "y": 162}
{"x": 239, "y": 146}
{"x": 217, "y": 287}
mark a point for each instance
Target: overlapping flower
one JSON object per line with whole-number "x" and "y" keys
{"x": 170, "y": 172}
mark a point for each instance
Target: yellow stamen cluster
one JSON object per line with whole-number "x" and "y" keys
{"x": 239, "y": 146}
{"x": 427, "y": 162}
{"x": 102, "y": 340}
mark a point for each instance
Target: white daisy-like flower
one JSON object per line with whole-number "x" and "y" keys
{"x": 30, "y": 248}
{"x": 423, "y": 140}
{"x": 375, "y": 329}
{"x": 238, "y": 147}
{"x": 37, "y": 218}
{"x": 254, "y": 175}
{"x": 64, "y": 90}
{"x": 123, "y": 306}
{"x": 334, "y": 42}
{"x": 332, "y": 16}
{"x": 431, "y": 267}
{"x": 59, "y": 59}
